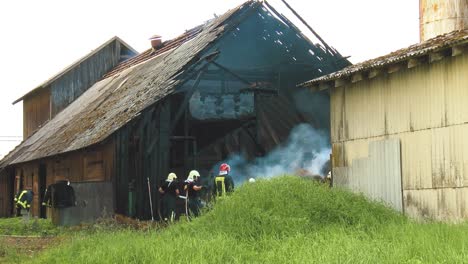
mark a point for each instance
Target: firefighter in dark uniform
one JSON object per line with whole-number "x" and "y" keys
{"x": 23, "y": 200}
{"x": 170, "y": 192}
{"x": 223, "y": 183}
{"x": 192, "y": 188}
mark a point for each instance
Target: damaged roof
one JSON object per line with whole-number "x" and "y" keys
{"x": 436, "y": 44}
{"x": 74, "y": 65}
{"x": 128, "y": 89}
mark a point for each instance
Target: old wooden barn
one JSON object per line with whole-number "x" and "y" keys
{"x": 223, "y": 87}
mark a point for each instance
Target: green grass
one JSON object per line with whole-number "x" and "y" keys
{"x": 284, "y": 220}
{"x": 34, "y": 227}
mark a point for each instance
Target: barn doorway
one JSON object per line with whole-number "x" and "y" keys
{"x": 42, "y": 189}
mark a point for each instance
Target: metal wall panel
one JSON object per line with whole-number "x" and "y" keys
{"x": 424, "y": 108}
{"x": 446, "y": 204}
{"x": 378, "y": 176}
{"x": 428, "y": 96}
{"x": 93, "y": 200}
{"x": 364, "y": 106}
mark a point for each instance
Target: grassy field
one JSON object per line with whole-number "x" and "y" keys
{"x": 34, "y": 227}
{"x": 284, "y": 220}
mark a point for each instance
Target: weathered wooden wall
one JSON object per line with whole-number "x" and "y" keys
{"x": 142, "y": 150}
{"x": 6, "y": 193}
{"x": 36, "y": 111}
{"x": 95, "y": 164}
{"x": 72, "y": 84}
{"x": 425, "y": 108}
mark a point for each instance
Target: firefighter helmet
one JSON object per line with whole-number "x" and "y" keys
{"x": 224, "y": 169}
{"x": 172, "y": 176}
{"x": 193, "y": 174}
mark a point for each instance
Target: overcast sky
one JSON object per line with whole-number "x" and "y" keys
{"x": 40, "y": 38}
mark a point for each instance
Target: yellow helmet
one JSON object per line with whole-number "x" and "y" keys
{"x": 172, "y": 176}
{"x": 193, "y": 174}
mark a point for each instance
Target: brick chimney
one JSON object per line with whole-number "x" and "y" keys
{"x": 437, "y": 17}
{"x": 156, "y": 41}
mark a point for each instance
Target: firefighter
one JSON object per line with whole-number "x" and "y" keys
{"x": 223, "y": 183}
{"x": 170, "y": 192}
{"x": 192, "y": 188}
{"x": 23, "y": 201}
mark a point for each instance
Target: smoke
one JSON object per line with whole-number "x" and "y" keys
{"x": 306, "y": 149}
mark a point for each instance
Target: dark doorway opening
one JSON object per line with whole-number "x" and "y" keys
{"x": 42, "y": 189}
{"x": 11, "y": 191}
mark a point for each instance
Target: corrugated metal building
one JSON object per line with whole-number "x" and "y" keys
{"x": 223, "y": 87}
{"x": 398, "y": 122}
{"x": 399, "y": 126}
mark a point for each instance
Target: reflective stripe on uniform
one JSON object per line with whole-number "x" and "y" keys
{"x": 19, "y": 202}
{"x": 220, "y": 180}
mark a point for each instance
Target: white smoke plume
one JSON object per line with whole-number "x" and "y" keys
{"x": 306, "y": 149}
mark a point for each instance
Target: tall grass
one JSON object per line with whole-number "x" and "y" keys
{"x": 33, "y": 227}
{"x": 284, "y": 220}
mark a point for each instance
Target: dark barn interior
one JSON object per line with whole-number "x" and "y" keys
{"x": 240, "y": 98}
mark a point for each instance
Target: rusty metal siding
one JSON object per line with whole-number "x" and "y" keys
{"x": 438, "y": 17}
{"x": 377, "y": 175}
{"x": 36, "y": 111}
{"x": 72, "y": 84}
{"x": 425, "y": 109}
{"x": 446, "y": 204}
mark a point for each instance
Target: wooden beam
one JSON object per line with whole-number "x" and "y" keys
{"x": 458, "y": 50}
{"x": 374, "y": 73}
{"x": 436, "y": 56}
{"x": 340, "y": 82}
{"x": 413, "y": 62}
{"x": 394, "y": 67}
{"x": 357, "y": 77}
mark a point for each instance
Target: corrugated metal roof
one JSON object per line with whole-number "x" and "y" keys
{"x": 75, "y": 64}
{"x": 111, "y": 103}
{"x": 438, "y": 43}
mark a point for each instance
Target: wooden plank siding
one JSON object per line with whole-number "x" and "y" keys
{"x": 47, "y": 101}
{"x": 76, "y": 81}
{"x": 142, "y": 150}
{"x": 94, "y": 164}
{"x": 6, "y": 193}
{"x": 36, "y": 111}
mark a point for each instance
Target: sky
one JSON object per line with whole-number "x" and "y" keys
{"x": 40, "y": 38}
